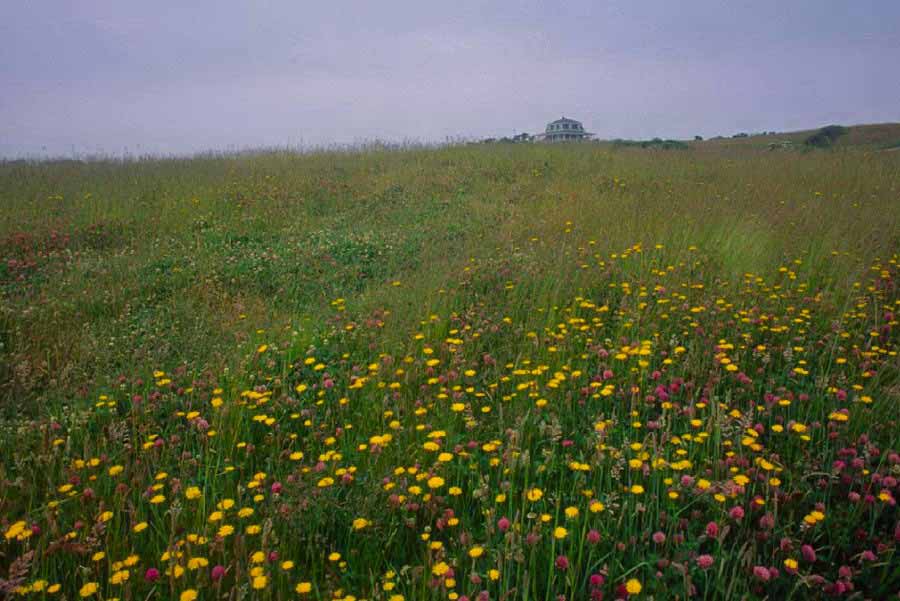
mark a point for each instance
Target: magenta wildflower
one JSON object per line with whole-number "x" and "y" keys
{"x": 808, "y": 553}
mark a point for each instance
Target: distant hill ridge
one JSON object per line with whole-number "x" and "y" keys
{"x": 884, "y": 136}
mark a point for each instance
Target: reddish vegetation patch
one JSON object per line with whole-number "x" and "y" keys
{"x": 23, "y": 253}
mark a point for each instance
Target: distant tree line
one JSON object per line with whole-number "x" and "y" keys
{"x": 657, "y": 143}
{"x": 823, "y": 138}
{"x": 517, "y": 139}
{"x": 742, "y": 134}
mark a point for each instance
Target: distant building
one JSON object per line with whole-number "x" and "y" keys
{"x": 564, "y": 130}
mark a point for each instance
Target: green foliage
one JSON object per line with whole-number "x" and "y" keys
{"x": 655, "y": 143}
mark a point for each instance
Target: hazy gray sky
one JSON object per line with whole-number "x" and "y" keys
{"x": 189, "y": 75}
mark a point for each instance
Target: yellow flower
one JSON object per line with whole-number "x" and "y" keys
{"x": 259, "y": 582}
{"x": 335, "y": 556}
{"x": 440, "y": 569}
{"x": 119, "y": 577}
{"x": 560, "y": 533}
{"x": 188, "y": 595}
{"x": 303, "y": 588}
{"x": 633, "y": 586}
{"x": 88, "y": 589}
{"x": 287, "y": 565}
{"x": 435, "y": 482}
{"x": 534, "y": 494}
{"x": 139, "y": 527}
{"x": 637, "y": 489}
{"x": 571, "y": 512}
{"x": 192, "y": 493}
{"x": 476, "y": 552}
{"x": 15, "y": 530}
{"x": 157, "y": 499}
{"x": 360, "y": 523}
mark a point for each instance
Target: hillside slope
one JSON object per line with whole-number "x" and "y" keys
{"x": 871, "y": 136}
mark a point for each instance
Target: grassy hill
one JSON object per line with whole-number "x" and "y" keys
{"x": 493, "y": 371}
{"x": 871, "y": 136}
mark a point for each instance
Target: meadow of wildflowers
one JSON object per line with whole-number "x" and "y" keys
{"x": 467, "y": 374}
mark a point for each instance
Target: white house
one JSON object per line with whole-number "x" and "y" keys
{"x": 564, "y": 130}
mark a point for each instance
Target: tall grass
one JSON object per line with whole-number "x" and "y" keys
{"x": 380, "y": 351}
{"x": 111, "y": 265}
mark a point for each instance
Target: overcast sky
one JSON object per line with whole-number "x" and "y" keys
{"x": 181, "y": 76}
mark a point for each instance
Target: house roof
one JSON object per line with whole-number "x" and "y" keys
{"x": 564, "y": 127}
{"x": 564, "y": 120}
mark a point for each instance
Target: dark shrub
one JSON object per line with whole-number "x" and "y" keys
{"x": 826, "y": 136}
